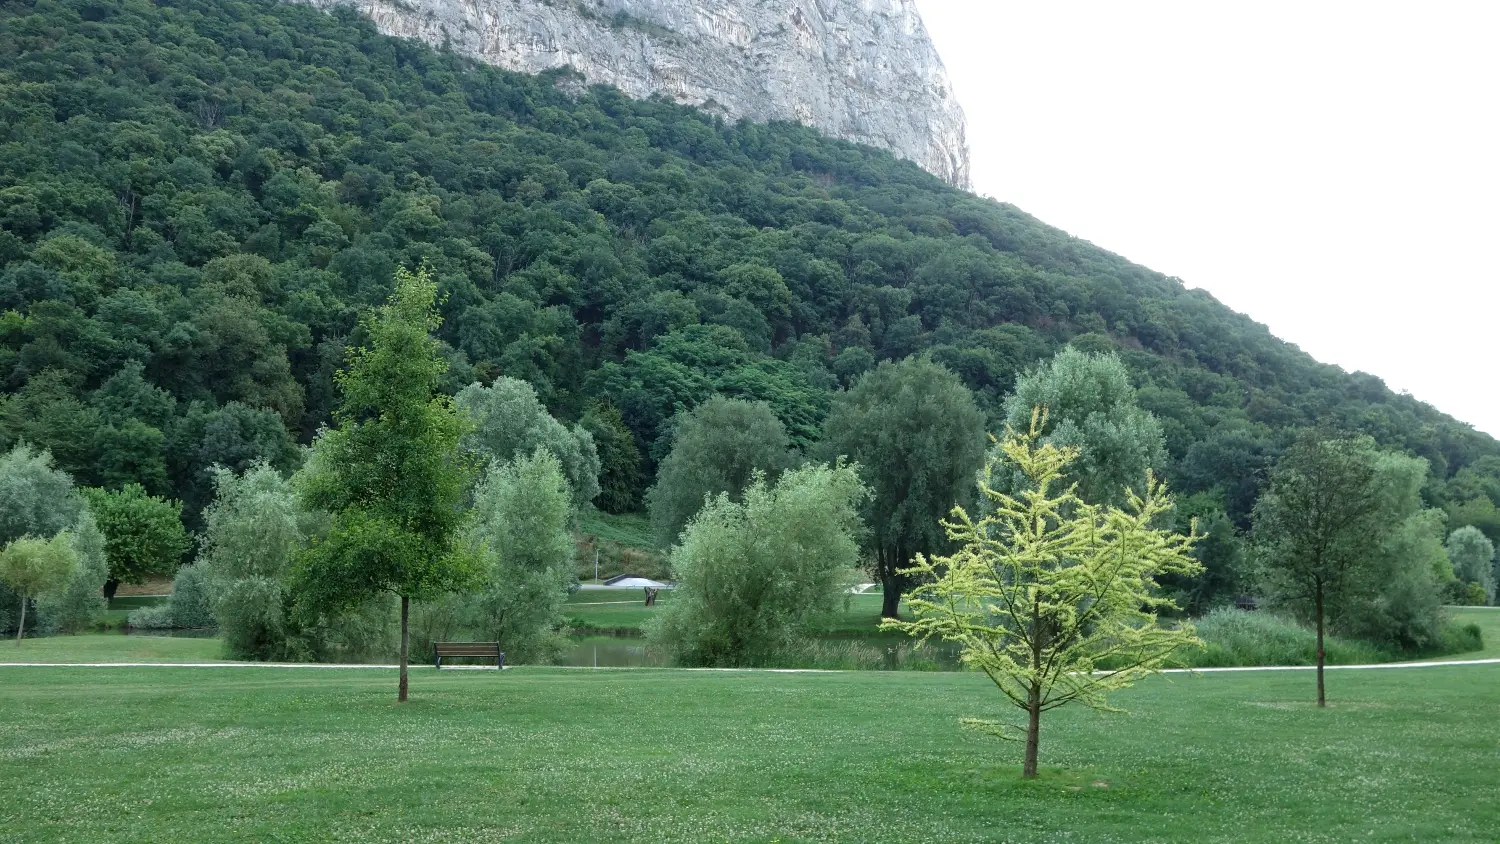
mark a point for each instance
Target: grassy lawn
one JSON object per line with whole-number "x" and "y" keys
{"x": 146, "y": 754}
{"x": 113, "y": 647}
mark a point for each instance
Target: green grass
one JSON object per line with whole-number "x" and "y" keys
{"x": 1488, "y": 620}
{"x": 155, "y": 754}
{"x": 113, "y": 647}
{"x": 633, "y": 530}
{"x": 120, "y": 607}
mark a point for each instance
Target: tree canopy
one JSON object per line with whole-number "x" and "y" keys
{"x": 919, "y": 440}
{"x": 717, "y": 447}
{"x": 196, "y": 202}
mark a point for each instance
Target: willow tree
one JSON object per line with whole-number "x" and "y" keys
{"x": 1052, "y": 597}
{"x": 391, "y": 473}
{"x": 32, "y": 566}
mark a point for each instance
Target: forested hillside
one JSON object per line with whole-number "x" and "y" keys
{"x": 198, "y": 198}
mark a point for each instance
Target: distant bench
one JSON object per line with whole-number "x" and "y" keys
{"x": 488, "y": 650}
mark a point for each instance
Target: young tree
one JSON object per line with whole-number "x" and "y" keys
{"x": 918, "y": 438}
{"x": 1319, "y": 529}
{"x": 1472, "y": 554}
{"x": 754, "y": 577}
{"x": 391, "y": 473}
{"x": 32, "y": 566}
{"x": 718, "y": 448}
{"x": 509, "y": 423}
{"x": 521, "y": 514}
{"x": 81, "y": 602}
{"x": 1053, "y": 598}
{"x": 143, "y": 534}
{"x": 1091, "y": 406}
{"x": 39, "y": 500}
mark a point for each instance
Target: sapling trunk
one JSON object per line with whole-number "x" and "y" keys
{"x": 405, "y": 642}
{"x": 1318, "y": 601}
{"x": 21, "y": 628}
{"x": 1033, "y": 731}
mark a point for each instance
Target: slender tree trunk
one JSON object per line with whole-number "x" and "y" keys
{"x": 1318, "y": 609}
{"x": 21, "y": 628}
{"x": 405, "y": 643}
{"x": 1033, "y": 731}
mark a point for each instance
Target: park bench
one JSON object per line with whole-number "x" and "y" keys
{"x": 488, "y": 650}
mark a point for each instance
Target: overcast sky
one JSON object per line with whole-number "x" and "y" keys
{"x": 1329, "y": 169}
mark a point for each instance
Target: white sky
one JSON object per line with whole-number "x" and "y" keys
{"x": 1328, "y": 168}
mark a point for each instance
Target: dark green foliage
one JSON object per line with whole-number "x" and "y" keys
{"x": 620, "y": 478}
{"x": 197, "y": 200}
{"x": 717, "y": 448}
{"x": 919, "y": 441}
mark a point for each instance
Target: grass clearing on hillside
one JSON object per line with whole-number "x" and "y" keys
{"x": 149, "y": 754}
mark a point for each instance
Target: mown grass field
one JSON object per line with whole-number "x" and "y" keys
{"x": 267, "y": 754}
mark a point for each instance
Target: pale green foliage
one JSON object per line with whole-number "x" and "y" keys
{"x": 252, "y": 533}
{"x": 1401, "y": 607}
{"x": 755, "y": 578}
{"x": 81, "y": 603}
{"x": 190, "y": 605}
{"x": 521, "y": 518}
{"x": 1052, "y": 597}
{"x": 1472, "y": 555}
{"x": 510, "y": 423}
{"x": 717, "y": 447}
{"x": 31, "y": 566}
{"x": 1091, "y": 407}
{"x": 35, "y": 500}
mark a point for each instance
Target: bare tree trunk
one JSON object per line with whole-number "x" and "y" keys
{"x": 1033, "y": 731}
{"x": 1318, "y": 607}
{"x": 890, "y": 583}
{"x": 405, "y": 643}
{"x": 890, "y": 601}
{"x": 21, "y": 628}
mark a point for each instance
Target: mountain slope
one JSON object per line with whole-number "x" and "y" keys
{"x": 197, "y": 199}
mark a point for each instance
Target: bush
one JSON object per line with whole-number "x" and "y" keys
{"x": 154, "y": 617}
{"x": 1235, "y": 638}
{"x": 1460, "y": 639}
{"x": 754, "y": 578}
{"x": 81, "y": 604}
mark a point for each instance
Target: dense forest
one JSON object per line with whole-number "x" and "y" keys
{"x": 198, "y": 198}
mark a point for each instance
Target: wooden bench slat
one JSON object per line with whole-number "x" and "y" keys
{"x": 490, "y": 650}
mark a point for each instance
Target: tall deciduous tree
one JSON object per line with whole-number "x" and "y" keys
{"x": 1053, "y": 598}
{"x": 1091, "y": 407}
{"x": 1472, "y": 555}
{"x": 1320, "y": 527}
{"x": 521, "y": 519}
{"x": 918, "y": 438}
{"x": 754, "y": 577}
{"x": 510, "y": 422}
{"x": 718, "y": 447}
{"x": 31, "y": 566}
{"x": 390, "y": 473}
{"x": 143, "y": 534}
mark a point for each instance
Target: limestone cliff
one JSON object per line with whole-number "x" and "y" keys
{"x": 862, "y": 70}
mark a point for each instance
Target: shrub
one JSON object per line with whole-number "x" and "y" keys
{"x": 754, "y": 577}
{"x": 1233, "y": 638}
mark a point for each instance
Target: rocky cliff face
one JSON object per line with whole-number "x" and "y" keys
{"x": 862, "y": 70}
